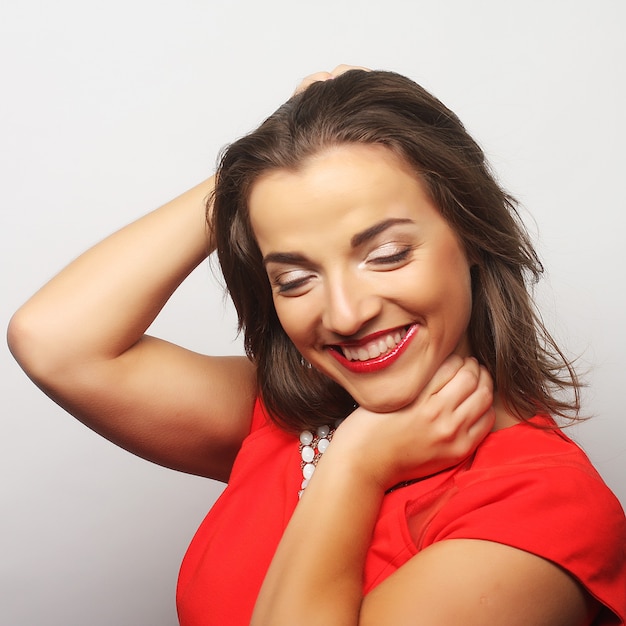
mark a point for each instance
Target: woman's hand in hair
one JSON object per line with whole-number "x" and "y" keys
{"x": 82, "y": 339}
{"x": 441, "y": 428}
{"x": 322, "y": 76}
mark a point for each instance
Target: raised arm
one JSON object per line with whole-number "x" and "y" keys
{"x": 81, "y": 340}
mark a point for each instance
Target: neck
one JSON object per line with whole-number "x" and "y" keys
{"x": 504, "y": 417}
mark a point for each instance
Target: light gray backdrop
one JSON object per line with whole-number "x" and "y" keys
{"x": 108, "y": 109}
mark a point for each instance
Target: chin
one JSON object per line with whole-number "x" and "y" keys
{"x": 385, "y": 404}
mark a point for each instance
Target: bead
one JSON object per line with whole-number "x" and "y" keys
{"x": 306, "y": 437}
{"x": 322, "y": 445}
{"x": 311, "y": 449}
{"x": 308, "y": 454}
{"x": 307, "y": 470}
{"x": 323, "y": 431}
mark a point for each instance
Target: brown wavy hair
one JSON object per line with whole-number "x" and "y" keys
{"x": 383, "y": 108}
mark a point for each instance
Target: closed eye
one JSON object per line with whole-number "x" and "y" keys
{"x": 389, "y": 254}
{"x": 292, "y": 283}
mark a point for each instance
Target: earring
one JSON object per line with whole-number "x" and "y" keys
{"x": 305, "y": 363}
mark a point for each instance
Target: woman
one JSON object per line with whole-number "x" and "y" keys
{"x": 376, "y": 474}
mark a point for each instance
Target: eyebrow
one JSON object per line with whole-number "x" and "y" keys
{"x": 295, "y": 258}
{"x": 369, "y": 233}
{"x": 288, "y": 258}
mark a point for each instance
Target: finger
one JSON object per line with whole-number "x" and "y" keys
{"x": 444, "y": 374}
{"x": 322, "y": 76}
{"x": 464, "y": 383}
{"x": 465, "y": 442}
{"x": 476, "y": 416}
{"x": 307, "y": 81}
{"x": 343, "y": 68}
{"x": 484, "y": 425}
{"x": 478, "y": 404}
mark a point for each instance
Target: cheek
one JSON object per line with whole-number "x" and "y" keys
{"x": 295, "y": 320}
{"x": 460, "y": 313}
{"x": 451, "y": 291}
{"x": 455, "y": 271}
{"x": 464, "y": 291}
{"x": 458, "y": 296}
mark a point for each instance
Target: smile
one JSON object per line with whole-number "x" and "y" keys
{"x": 374, "y": 352}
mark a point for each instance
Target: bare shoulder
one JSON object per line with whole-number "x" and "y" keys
{"x": 478, "y": 583}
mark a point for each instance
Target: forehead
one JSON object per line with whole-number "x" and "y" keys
{"x": 340, "y": 189}
{"x": 320, "y": 168}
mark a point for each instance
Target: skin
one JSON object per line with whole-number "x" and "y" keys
{"x": 354, "y": 247}
{"x": 343, "y": 239}
{"x": 82, "y": 339}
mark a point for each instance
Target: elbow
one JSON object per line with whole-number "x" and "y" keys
{"x": 17, "y": 334}
{"x": 26, "y": 339}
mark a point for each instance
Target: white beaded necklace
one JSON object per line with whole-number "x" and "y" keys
{"x": 311, "y": 448}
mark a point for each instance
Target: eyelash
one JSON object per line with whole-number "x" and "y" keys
{"x": 391, "y": 259}
{"x": 291, "y": 285}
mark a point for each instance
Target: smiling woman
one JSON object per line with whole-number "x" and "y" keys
{"x": 367, "y": 276}
{"x": 308, "y": 159}
{"x": 396, "y": 369}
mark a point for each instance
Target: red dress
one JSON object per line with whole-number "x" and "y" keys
{"x": 525, "y": 487}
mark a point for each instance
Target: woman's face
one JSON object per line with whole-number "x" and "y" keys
{"x": 368, "y": 280}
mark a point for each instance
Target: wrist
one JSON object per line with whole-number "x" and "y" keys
{"x": 364, "y": 446}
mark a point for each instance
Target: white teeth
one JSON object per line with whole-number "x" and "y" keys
{"x": 374, "y": 349}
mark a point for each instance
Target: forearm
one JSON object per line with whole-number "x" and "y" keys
{"x": 323, "y": 550}
{"x": 316, "y": 576}
{"x": 102, "y": 303}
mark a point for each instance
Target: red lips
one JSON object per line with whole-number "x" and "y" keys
{"x": 377, "y": 363}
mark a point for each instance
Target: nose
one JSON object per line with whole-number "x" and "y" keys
{"x": 349, "y": 305}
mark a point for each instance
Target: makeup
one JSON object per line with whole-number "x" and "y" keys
{"x": 377, "y": 363}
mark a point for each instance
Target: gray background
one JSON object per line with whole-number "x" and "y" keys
{"x": 108, "y": 109}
